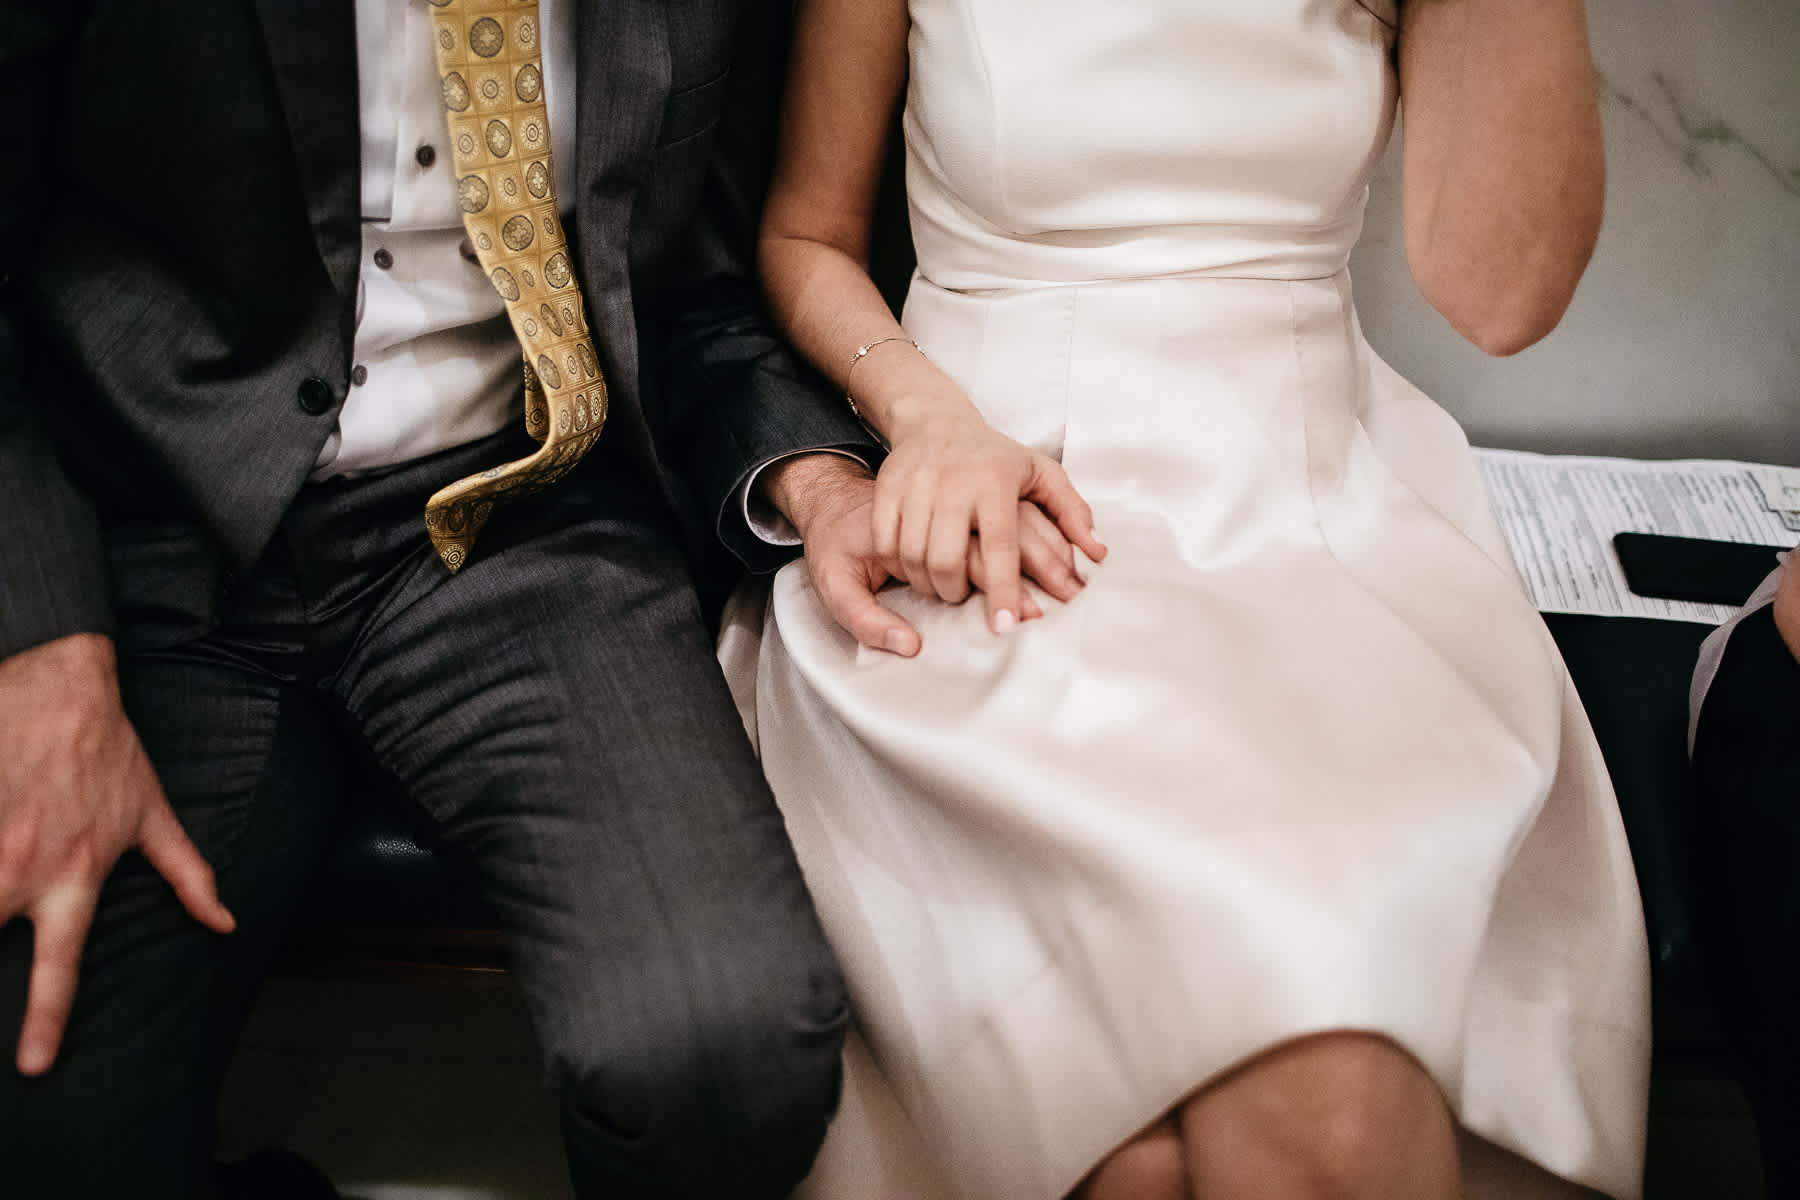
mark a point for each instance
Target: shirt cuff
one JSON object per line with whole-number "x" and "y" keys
{"x": 764, "y": 519}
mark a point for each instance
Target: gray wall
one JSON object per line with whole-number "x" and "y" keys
{"x": 1684, "y": 339}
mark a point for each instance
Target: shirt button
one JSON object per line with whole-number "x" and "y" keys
{"x": 359, "y": 375}
{"x": 315, "y": 396}
{"x": 383, "y": 259}
{"x": 425, "y": 155}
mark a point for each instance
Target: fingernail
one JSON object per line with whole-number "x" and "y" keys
{"x": 1004, "y": 621}
{"x": 895, "y": 642}
{"x": 1095, "y": 534}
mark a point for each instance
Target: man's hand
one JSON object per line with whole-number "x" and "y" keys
{"x": 76, "y": 792}
{"x": 830, "y": 499}
{"x": 1787, "y": 606}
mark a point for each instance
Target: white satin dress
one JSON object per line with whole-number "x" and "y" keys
{"x": 1302, "y": 756}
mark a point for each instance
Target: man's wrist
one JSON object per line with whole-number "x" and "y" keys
{"x": 80, "y": 655}
{"x": 72, "y": 677}
{"x": 804, "y": 486}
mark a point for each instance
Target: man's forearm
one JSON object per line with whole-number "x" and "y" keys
{"x": 54, "y": 580}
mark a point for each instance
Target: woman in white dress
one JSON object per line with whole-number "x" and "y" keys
{"x": 1276, "y": 859}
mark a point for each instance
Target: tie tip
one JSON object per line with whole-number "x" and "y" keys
{"x": 453, "y": 556}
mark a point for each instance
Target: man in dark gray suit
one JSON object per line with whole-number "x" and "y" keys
{"x": 241, "y": 342}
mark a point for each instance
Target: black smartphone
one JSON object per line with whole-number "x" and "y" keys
{"x": 1666, "y": 567}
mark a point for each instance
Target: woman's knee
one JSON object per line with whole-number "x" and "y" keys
{"x": 1148, "y": 1167}
{"x": 1348, "y": 1112}
{"x": 1359, "y": 1086}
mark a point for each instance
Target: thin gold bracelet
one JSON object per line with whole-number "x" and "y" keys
{"x": 862, "y": 352}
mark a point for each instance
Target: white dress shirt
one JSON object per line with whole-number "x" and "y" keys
{"x": 435, "y": 361}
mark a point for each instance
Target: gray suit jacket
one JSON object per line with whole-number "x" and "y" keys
{"x": 180, "y": 213}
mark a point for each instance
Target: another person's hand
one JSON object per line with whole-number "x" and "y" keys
{"x": 1787, "y": 605}
{"x": 950, "y": 495}
{"x": 76, "y": 792}
{"x": 830, "y": 500}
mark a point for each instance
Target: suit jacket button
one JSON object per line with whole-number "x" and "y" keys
{"x": 316, "y": 396}
{"x": 425, "y": 155}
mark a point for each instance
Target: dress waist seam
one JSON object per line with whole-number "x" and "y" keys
{"x": 1174, "y": 276}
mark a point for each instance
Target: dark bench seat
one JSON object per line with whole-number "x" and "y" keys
{"x": 386, "y": 905}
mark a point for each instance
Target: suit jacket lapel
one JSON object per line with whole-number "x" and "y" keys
{"x": 312, "y": 51}
{"x": 622, "y": 85}
{"x": 623, "y": 73}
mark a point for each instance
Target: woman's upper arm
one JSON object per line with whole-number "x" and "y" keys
{"x": 844, "y": 84}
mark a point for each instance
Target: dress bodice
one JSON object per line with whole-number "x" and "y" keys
{"x": 1063, "y": 141}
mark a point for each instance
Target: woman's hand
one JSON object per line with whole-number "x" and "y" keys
{"x": 951, "y": 506}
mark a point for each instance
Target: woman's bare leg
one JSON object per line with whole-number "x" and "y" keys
{"x": 1148, "y": 1167}
{"x": 1339, "y": 1116}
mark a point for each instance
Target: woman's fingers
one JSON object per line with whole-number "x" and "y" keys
{"x": 936, "y": 518}
{"x": 884, "y": 519}
{"x": 913, "y": 538}
{"x": 947, "y": 550}
{"x": 997, "y": 532}
{"x": 1029, "y": 608}
{"x": 1051, "y": 490}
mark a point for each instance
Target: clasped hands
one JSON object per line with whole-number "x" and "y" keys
{"x": 957, "y": 507}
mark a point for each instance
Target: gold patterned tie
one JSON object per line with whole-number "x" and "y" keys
{"x": 489, "y": 56}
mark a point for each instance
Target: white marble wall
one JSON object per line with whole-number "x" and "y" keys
{"x": 1684, "y": 339}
